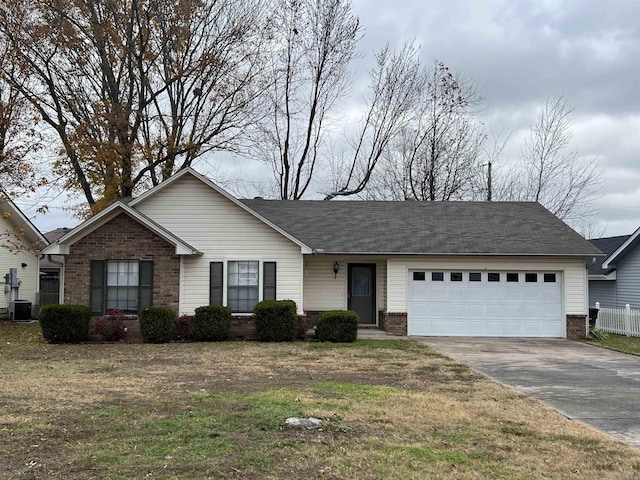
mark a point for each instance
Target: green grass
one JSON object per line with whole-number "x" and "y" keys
{"x": 619, "y": 343}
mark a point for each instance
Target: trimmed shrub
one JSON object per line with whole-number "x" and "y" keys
{"x": 157, "y": 325}
{"x": 184, "y": 324}
{"x": 212, "y": 323}
{"x": 65, "y": 323}
{"x": 112, "y": 326}
{"x": 337, "y": 326}
{"x": 276, "y": 321}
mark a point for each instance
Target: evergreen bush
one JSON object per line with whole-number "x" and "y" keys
{"x": 157, "y": 325}
{"x": 337, "y": 326}
{"x": 212, "y": 323}
{"x": 65, "y": 323}
{"x": 276, "y": 321}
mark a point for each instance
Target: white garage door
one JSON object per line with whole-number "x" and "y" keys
{"x": 485, "y": 304}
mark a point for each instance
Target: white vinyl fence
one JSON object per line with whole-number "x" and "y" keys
{"x": 622, "y": 321}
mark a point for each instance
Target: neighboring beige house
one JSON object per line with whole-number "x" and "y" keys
{"x": 417, "y": 268}
{"x": 20, "y": 241}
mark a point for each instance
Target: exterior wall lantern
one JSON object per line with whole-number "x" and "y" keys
{"x": 336, "y": 269}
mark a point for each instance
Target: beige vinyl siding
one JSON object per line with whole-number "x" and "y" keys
{"x": 573, "y": 271}
{"x": 324, "y": 292}
{"x": 223, "y": 231}
{"x": 28, "y": 275}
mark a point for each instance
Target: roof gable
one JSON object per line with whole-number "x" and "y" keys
{"x": 623, "y": 250}
{"x": 608, "y": 245}
{"x": 62, "y": 245}
{"x": 189, "y": 171}
{"x": 14, "y": 215}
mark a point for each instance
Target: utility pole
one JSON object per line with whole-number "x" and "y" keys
{"x": 489, "y": 182}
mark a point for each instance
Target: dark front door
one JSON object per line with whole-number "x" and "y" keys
{"x": 49, "y": 286}
{"x": 362, "y": 288}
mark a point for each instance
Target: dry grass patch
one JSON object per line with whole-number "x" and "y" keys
{"x": 392, "y": 409}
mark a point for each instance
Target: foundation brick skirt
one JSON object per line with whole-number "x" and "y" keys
{"x": 576, "y": 326}
{"x": 394, "y": 323}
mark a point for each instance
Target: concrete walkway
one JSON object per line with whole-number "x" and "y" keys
{"x": 376, "y": 334}
{"x": 596, "y": 386}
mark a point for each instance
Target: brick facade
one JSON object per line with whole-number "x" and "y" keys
{"x": 394, "y": 323}
{"x": 576, "y": 326}
{"x": 123, "y": 238}
{"x": 243, "y": 327}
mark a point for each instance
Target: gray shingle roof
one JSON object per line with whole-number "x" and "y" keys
{"x": 608, "y": 245}
{"x": 490, "y": 228}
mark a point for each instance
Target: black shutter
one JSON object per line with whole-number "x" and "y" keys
{"x": 145, "y": 283}
{"x": 97, "y": 293}
{"x": 269, "y": 281}
{"x": 216, "y": 283}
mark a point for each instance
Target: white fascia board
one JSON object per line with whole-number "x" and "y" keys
{"x": 56, "y": 249}
{"x": 612, "y": 258}
{"x": 601, "y": 277}
{"x": 305, "y": 249}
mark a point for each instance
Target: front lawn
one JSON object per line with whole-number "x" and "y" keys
{"x": 619, "y": 343}
{"x": 392, "y": 409}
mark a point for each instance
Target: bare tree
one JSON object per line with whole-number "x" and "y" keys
{"x": 134, "y": 89}
{"x": 437, "y": 154}
{"x": 496, "y": 180}
{"x": 394, "y": 91}
{"x": 311, "y": 44}
{"x": 551, "y": 172}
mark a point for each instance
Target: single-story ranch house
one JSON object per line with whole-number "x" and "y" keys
{"x": 419, "y": 268}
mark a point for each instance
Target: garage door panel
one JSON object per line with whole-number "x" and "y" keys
{"x": 465, "y": 308}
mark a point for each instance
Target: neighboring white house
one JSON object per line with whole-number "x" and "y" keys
{"x": 20, "y": 241}
{"x": 422, "y": 268}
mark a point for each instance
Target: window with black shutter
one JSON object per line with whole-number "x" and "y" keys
{"x": 269, "y": 281}
{"x": 125, "y": 285}
{"x": 216, "y": 283}
{"x": 97, "y": 293}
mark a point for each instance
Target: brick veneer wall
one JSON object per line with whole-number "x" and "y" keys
{"x": 394, "y": 323}
{"x": 576, "y": 326}
{"x": 123, "y": 238}
{"x": 243, "y": 327}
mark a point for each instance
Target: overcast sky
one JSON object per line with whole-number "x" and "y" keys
{"x": 521, "y": 52}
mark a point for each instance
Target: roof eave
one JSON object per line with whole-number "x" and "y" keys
{"x": 610, "y": 262}
{"x": 457, "y": 254}
{"x": 604, "y": 276}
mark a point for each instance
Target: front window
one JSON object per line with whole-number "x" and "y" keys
{"x": 122, "y": 285}
{"x": 243, "y": 283}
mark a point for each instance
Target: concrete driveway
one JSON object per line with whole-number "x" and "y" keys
{"x": 586, "y": 383}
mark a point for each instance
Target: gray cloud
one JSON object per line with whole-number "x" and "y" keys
{"x": 521, "y": 52}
